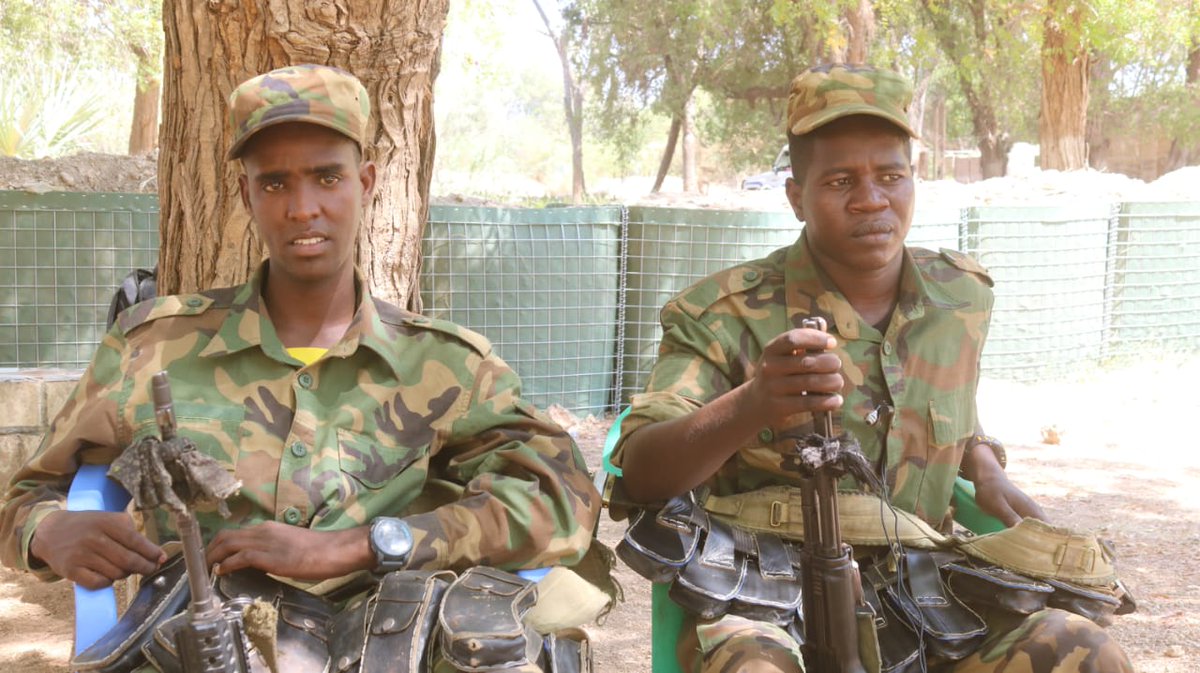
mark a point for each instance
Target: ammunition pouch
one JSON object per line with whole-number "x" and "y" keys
{"x": 715, "y": 568}
{"x": 482, "y": 625}
{"x": 389, "y": 630}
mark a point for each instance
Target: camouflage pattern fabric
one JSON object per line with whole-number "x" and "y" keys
{"x": 909, "y": 392}
{"x": 731, "y": 643}
{"x": 405, "y": 416}
{"x": 316, "y": 94}
{"x": 828, "y": 92}
{"x": 1049, "y": 641}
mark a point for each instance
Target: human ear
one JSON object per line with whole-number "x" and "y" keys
{"x": 795, "y": 196}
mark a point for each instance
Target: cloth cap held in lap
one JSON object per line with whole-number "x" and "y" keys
{"x": 825, "y": 93}
{"x": 315, "y": 94}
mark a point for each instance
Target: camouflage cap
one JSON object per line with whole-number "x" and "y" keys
{"x": 316, "y": 94}
{"x": 827, "y": 92}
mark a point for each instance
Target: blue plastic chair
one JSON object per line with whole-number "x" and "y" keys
{"x": 666, "y": 618}
{"x": 96, "y": 609}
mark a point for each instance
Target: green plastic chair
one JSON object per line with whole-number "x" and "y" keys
{"x": 666, "y": 618}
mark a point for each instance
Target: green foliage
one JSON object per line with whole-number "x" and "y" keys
{"x": 47, "y": 109}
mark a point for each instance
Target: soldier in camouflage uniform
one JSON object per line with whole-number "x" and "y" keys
{"x": 331, "y": 407}
{"x": 735, "y": 383}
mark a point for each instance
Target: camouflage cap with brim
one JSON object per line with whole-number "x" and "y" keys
{"x": 828, "y": 92}
{"x": 315, "y": 94}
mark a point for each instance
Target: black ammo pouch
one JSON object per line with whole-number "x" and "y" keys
{"x": 715, "y": 568}
{"x": 482, "y": 621}
{"x": 389, "y": 629}
{"x": 913, "y": 592}
{"x": 160, "y": 596}
{"x": 991, "y": 587}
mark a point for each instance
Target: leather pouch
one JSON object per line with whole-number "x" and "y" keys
{"x": 406, "y": 610}
{"x": 348, "y": 634}
{"x": 896, "y": 643}
{"x": 714, "y": 577}
{"x": 160, "y": 596}
{"x": 304, "y": 619}
{"x": 1096, "y": 603}
{"x": 771, "y": 590}
{"x": 994, "y": 587}
{"x": 658, "y": 543}
{"x": 951, "y": 629}
{"x": 481, "y": 621}
{"x": 567, "y": 651}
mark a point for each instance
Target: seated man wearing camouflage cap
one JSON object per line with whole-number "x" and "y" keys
{"x": 367, "y": 439}
{"x": 739, "y": 378}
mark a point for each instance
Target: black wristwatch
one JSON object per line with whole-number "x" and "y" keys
{"x": 392, "y": 542}
{"x": 992, "y": 443}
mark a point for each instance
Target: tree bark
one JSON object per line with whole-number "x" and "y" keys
{"x": 572, "y": 107}
{"x": 1062, "y": 125}
{"x": 994, "y": 142}
{"x": 668, "y": 154}
{"x": 143, "y": 132}
{"x": 691, "y": 147}
{"x": 393, "y": 46}
{"x": 860, "y": 21}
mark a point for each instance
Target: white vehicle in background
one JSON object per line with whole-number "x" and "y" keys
{"x": 780, "y": 171}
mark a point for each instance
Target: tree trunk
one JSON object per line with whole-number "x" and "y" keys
{"x": 143, "y": 132}
{"x": 668, "y": 154}
{"x": 1062, "y": 126}
{"x": 993, "y": 156}
{"x": 860, "y": 21}
{"x": 572, "y": 107}
{"x": 393, "y": 46}
{"x": 691, "y": 147}
{"x": 1183, "y": 152}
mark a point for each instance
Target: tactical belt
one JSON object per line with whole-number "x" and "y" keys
{"x": 474, "y": 621}
{"x": 923, "y": 588}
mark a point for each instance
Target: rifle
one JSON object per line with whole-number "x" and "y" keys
{"x": 171, "y": 473}
{"x": 831, "y": 588}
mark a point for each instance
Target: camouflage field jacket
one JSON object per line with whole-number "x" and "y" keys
{"x": 405, "y": 416}
{"x": 910, "y": 391}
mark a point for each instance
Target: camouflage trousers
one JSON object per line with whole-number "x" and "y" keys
{"x": 1049, "y": 641}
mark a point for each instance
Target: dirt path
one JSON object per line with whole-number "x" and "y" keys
{"x": 1122, "y": 469}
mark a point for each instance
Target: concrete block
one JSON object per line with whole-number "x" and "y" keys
{"x": 15, "y": 449}
{"x": 21, "y": 404}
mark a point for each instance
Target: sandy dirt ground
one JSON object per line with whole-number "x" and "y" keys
{"x": 1125, "y": 467}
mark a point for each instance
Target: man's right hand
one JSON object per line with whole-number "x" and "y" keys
{"x": 791, "y": 380}
{"x": 94, "y": 549}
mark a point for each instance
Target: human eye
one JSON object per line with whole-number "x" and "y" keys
{"x": 839, "y": 182}
{"x": 272, "y": 186}
{"x": 330, "y": 179}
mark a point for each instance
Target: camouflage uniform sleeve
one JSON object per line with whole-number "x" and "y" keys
{"x": 692, "y": 369}
{"x": 528, "y": 500}
{"x": 86, "y": 430}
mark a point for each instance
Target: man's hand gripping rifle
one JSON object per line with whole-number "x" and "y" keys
{"x": 170, "y": 472}
{"x": 832, "y": 591}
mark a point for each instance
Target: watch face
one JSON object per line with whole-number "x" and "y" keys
{"x": 392, "y": 538}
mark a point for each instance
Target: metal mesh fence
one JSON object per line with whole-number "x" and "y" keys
{"x": 61, "y": 257}
{"x": 570, "y": 296}
{"x": 541, "y": 285}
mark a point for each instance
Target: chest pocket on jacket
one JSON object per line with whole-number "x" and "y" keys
{"x": 371, "y": 459}
{"x": 950, "y": 420}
